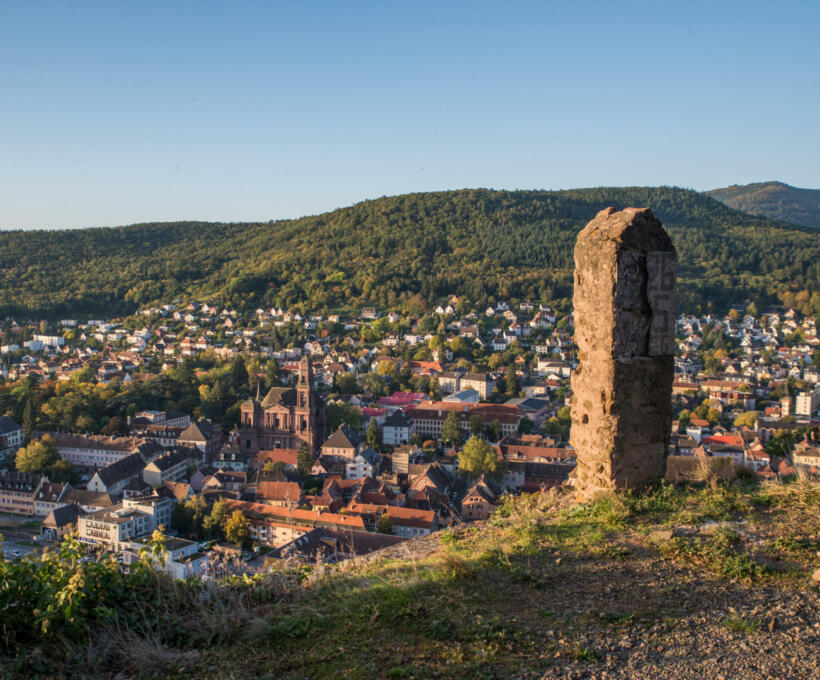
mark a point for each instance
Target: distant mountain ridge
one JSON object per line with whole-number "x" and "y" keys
{"x": 399, "y": 252}
{"x": 776, "y": 200}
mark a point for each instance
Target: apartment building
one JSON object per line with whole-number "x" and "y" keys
{"x": 11, "y": 439}
{"x": 97, "y": 451}
{"x": 18, "y": 491}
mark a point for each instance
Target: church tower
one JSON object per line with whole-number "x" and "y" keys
{"x": 304, "y": 385}
{"x": 310, "y": 411}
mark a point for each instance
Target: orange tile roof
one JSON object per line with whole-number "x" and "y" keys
{"x": 286, "y": 456}
{"x": 297, "y": 515}
{"x": 278, "y": 491}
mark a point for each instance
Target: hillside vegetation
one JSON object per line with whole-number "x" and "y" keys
{"x": 679, "y": 582}
{"x": 776, "y": 200}
{"x": 402, "y": 252}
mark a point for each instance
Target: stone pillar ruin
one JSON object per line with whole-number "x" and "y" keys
{"x": 624, "y": 300}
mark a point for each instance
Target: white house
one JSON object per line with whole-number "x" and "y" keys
{"x": 397, "y": 429}
{"x": 364, "y": 464}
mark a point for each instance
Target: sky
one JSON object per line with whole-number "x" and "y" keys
{"x": 115, "y": 113}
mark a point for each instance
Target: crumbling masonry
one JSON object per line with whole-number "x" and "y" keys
{"x": 624, "y": 299}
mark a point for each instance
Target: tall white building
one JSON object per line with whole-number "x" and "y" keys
{"x": 807, "y": 403}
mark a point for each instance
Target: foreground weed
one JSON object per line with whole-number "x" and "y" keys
{"x": 739, "y": 624}
{"x": 720, "y": 554}
{"x": 585, "y": 654}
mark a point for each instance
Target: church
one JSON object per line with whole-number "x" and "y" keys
{"x": 286, "y": 417}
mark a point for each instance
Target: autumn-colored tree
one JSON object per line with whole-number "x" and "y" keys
{"x": 214, "y": 524}
{"x": 38, "y": 456}
{"x": 237, "y": 530}
{"x": 747, "y": 419}
{"x": 387, "y": 368}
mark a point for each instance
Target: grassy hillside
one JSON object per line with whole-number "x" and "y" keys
{"x": 680, "y": 582}
{"x": 403, "y": 252}
{"x": 776, "y": 200}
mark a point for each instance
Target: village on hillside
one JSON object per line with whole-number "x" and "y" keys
{"x": 253, "y": 439}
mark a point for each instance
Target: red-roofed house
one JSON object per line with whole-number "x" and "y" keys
{"x": 289, "y": 458}
{"x": 281, "y": 494}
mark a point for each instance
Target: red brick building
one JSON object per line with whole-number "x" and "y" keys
{"x": 286, "y": 417}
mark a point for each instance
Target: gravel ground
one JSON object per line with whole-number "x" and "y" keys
{"x": 687, "y": 627}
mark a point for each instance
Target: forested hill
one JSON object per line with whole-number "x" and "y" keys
{"x": 774, "y": 199}
{"x": 399, "y": 252}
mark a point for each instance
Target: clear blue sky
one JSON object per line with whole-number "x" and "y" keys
{"x": 113, "y": 112}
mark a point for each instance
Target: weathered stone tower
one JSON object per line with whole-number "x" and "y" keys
{"x": 624, "y": 299}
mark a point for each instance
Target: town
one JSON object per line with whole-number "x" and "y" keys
{"x": 250, "y": 440}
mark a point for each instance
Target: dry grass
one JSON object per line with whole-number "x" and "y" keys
{"x": 126, "y": 652}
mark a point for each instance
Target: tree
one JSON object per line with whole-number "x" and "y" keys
{"x": 115, "y": 425}
{"x": 345, "y": 383}
{"x": 781, "y": 444}
{"x": 214, "y": 524}
{"x": 38, "y": 456}
{"x": 373, "y": 436}
{"x": 236, "y": 528}
{"x": 479, "y": 458}
{"x": 684, "y": 419}
{"x": 155, "y": 550}
{"x": 271, "y": 466}
{"x": 493, "y": 431}
{"x": 387, "y": 368}
{"x": 29, "y": 419}
{"x": 239, "y": 373}
{"x": 384, "y": 525}
{"x": 181, "y": 519}
{"x": 476, "y": 424}
{"x": 373, "y": 383}
{"x": 435, "y": 389}
{"x": 85, "y": 423}
{"x": 271, "y": 373}
{"x": 450, "y": 431}
{"x": 84, "y": 375}
{"x": 339, "y": 413}
{"x": 60, "y": 471}
{"x": 188, "y": 516}
{"x": 511, "y": 381}
{"x": 304, "y": 460}
{"x": 746, "y": 419}
{"x": 525, "y": 426}
{"x": 252, "y": 366}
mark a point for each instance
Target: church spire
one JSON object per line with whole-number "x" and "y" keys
{"x": 305, "y": 372}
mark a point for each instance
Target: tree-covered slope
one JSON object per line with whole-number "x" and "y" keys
{"x": 402, "y": 251}
{"x": 774, "y": 199}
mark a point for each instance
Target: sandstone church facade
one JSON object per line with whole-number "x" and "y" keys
{"x": 286, "y": 417}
